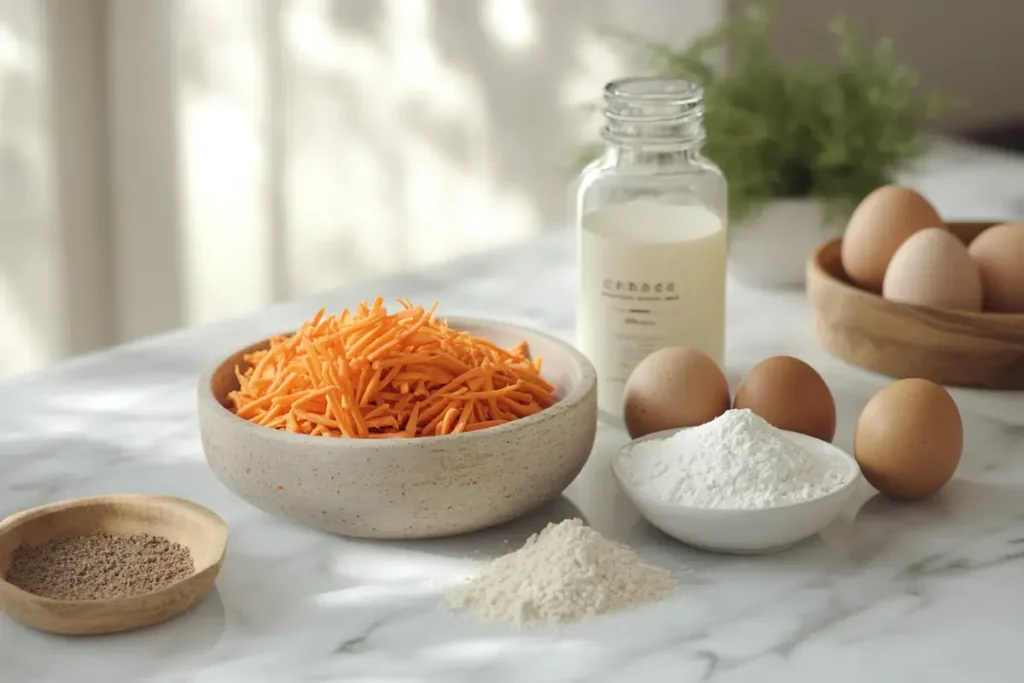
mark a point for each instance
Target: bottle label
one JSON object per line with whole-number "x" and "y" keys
{"x": 638, "y": 297}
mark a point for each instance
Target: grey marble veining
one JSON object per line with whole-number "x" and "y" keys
{"x": 888, "y": 593}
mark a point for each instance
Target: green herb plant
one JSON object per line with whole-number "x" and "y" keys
{"x": 833, "y": 133}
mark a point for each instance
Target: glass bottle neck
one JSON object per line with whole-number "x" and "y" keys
{"x": 652, "y": 122}
{"x": 651, "y": 158}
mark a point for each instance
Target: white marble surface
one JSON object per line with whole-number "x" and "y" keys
{"x": 888, "y": 593}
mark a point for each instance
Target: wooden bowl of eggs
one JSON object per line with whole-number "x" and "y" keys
{"x": 906, "y": 294}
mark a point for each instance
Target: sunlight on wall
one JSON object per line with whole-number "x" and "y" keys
{"x": 262, "y": 151}
{"x": 12, "y": 52}
{"x": 390, "y": 163}
{"x": 19, "y": 342}
{"x": 597, "y": 61}
{"x": 30, "y": 257}
{"x": 18, "y": 347}
{"x": 408, "y": 133}
{"x": 223, "y": 168}
{"x": 511, "y": 23}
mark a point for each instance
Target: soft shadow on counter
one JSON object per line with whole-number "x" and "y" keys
{"x": 493, "y": 541}
{"x": 186, "y": 637}
{"x": 967, "y": 510}
{"x": 989, "y": 444}
{"x": 701, "y": 566}
{"x": 982, "y": 497}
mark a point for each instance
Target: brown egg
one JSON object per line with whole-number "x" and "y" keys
{"x": 879, "y": 225}
{"x": 789, "y": 394}
{"x": 932, "y": 268}
{"x": 999, "y": 253}
{"x": 909, "y": 438}
{"x": 674, "y": 387}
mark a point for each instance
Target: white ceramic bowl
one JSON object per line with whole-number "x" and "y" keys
{"x": 740, "y": 530}
{"x": 409, "y": 488}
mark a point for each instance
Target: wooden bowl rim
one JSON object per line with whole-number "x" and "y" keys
{"x": 218, "y": 530}
{"x": 573, "y": 398}
{"x": 879, "y": 300}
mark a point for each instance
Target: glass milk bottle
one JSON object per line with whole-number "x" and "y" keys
{"x": 651, "y": 217}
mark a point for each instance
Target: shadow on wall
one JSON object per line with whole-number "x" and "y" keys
{"x": 271, "y": 150}
{"x": 410, "y": 133}
{"x": 24, "y": 237}
{"x": 450, "y": 133}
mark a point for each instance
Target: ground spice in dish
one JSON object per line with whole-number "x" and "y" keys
{"x": 99, "y": 566}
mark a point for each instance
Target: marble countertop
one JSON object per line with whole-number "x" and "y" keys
{"x": 887, "y": 593}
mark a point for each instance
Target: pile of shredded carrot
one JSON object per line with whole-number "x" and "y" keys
{"x": 374, "y": 374}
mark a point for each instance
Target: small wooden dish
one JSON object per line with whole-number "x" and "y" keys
{"x": 202, "y": 531}
{"x": 956, "y": 348}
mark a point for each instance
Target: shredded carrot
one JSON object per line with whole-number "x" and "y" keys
{"x": 368, "y": 373}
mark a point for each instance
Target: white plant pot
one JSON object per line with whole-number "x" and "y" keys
{"x": 771, "y": 249}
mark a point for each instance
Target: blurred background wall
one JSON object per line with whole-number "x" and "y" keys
{"x": 968, "y": 48}
{"x": 168, "y": 163}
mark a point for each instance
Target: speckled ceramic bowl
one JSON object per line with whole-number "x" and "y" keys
{"x": 409, "y": 488}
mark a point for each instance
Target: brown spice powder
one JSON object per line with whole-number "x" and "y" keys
{"x": 100, "y": 566}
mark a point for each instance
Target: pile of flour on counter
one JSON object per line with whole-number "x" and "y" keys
{"x": 565, "y": 573}
{"x": 736, "y": 461}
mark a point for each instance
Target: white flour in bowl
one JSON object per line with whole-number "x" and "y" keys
{"x": 565, "y": 573}
{"x": 736, "y": 461}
